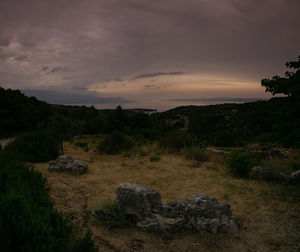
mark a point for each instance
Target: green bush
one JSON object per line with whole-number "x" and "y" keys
{"x": 109, "y": 214}
{"x": 176, "y": 140}
{"x": 127, "y": 154}
{"x": 34, "y": 147}
{"x": 115, "y": 143}
{"x": 143, "y": 153}
{"x": 154, "y": 158}
{"x": 28, "y": 220}
{"x": 197, "y": 153}
{"x": 81, "y": 144}
{"x": 241, "y": 163}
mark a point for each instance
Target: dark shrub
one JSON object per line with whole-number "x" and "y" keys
{"x": 109, "y": 214}
{"x": 34, "y": 147}
{"x": 197, "y": 153}
{"x": 155, "y": 158}
{"x": 241, "y": 163}
{"x": 115, "y": 143}
{"x": 176, "y": 140}
{"x": 28, "y": 220}
{"x": 81, "y": 144}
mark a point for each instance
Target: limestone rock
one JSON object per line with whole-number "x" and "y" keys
{"x": 143, "y": 206}
{"x": 137, "y": 201}
{"x": 296, "y": 175}
{"x": 68, "y": 163}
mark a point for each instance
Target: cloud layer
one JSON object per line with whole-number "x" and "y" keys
{"x": 79, "y": 45}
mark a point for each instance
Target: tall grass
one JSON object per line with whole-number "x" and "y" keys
{"x": 109, "y": 214}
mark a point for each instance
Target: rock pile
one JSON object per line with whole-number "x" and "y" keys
{"x": 143, "y": 206}
{"x": 67, "y": 163}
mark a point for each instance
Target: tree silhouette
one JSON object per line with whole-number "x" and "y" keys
{"x": 288, "y": 85}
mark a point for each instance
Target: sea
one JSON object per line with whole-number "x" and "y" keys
{"x": 164, "y": 105}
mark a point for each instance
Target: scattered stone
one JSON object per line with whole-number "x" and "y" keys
{"x": 294, "y": 178}
{"x": 68, "y": 163}
{"x": 143, "y": 206}
{"x": 256, "y": 171}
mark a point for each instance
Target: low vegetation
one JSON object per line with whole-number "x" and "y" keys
{"x": 35, "y": 146}
{"x": 28, "y": 219}
{"x": 197, "y": 153}
{"x": 115, "y": 143}
{"x": 108, "y": 214}
{"x": 241, "y": 163}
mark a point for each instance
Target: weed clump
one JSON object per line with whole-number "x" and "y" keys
{"x": 241, "y": 163}
{"x": 155, "y": 158}
{"x": 81, "y": 144}
{"x": 127, "y": 154}
{"x": 197, "y": 153}
{"x": 115, "y": 143}
{"x": 109, "y": 214}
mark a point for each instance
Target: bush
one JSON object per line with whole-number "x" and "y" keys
{"x": 176, "y": 140}
{"x": 28, "y": 220}
{"x": 127, "y": 154}
{"x": 81, "y": 144}
{"x": 154, "y": 158}
{"x": 143, "y": 153}
{"x": 241, "y": 163}
{"x": 197, "y": 153}
{"x": 115, "y": 143}
{"x": 34, "y": 147}
{"x": 109, "y": 214}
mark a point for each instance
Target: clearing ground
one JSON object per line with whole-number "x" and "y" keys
{"x": 268, "y": 213}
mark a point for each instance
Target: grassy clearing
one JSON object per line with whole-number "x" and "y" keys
{"x": 268, "y": 212}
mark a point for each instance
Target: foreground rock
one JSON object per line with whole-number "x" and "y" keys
{"x": 69, "y": 164}
{"x": 293, "y": 178}
{"x": 143, "y": 206}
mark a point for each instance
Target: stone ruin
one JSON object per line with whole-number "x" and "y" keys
{"x": 143, "y": 206}
{"x": 69, "y": 164}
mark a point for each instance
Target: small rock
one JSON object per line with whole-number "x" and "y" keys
{"x": 68, "y": 163}
{"x": 296, "y": 175}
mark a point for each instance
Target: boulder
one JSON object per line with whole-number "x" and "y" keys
{"x": 137, "y": 201}
{"x": 143, "y": 206}
{"x": 293, "y": 178}
{"x": 69, "y": 164}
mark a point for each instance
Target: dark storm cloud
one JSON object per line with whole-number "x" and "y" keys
{"x": 115, "y": 79}
{"x": 150, "y": 75}
{"x": 149, "y": 86}
{"x": 45, "y": 68}
{"x": 20, "y": 58}
{"x": 250, "y": 39}
{"x": 59, "y": 69}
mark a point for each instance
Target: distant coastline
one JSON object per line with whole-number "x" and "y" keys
{"x": 221, "y": 99}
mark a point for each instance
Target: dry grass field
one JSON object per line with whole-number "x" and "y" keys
{"x": 268, "y": 213}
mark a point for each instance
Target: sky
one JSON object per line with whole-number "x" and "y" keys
{"x": 140, "y": 51}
